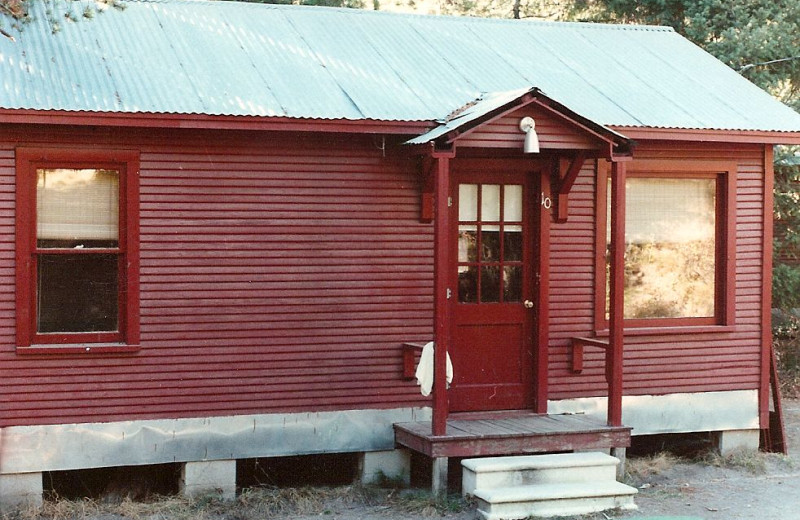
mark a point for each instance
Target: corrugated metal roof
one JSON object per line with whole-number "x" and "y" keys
{"x": 242, "y": 59}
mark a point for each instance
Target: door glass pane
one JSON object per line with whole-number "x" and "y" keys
{"x": 467, "y": 243}
{"x": 490, "y": 244}
{"x": 467, "y": 284}
{"x": 77, "y": 293}
{"x": 489, "y": 238}
{"x": 490, "y": 203}
{"x": 77, "y": 208}
{"x": 490, "y": 284}
{"x": 512, "y": 203}
{"x": 467, "y": 202}
{"x": 512, "y": 244}
{"x": 512, "y": 283}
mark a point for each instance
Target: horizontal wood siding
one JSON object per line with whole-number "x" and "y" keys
{"x": 698, "y": 362}
{"x": 504, "y": 132}
{"x": 278, "y": 273}
{"x": 284, "y": 272}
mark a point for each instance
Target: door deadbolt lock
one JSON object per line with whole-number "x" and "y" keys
{"x": 528, "y": 304}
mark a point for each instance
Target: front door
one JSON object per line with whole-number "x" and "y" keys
{"x": 492, "y": 345}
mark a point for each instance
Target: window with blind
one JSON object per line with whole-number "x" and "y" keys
{"x": 77, "y": 232}
{"x": 678, "y": 245}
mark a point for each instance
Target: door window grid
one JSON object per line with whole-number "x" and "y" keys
{"x": 490, "y": 243}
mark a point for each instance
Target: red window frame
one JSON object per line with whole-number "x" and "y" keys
{"x": 725, "y": 276}
{"x": 126, "y": 338}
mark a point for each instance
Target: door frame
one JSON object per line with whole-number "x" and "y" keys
{"x": 540, "y": 171}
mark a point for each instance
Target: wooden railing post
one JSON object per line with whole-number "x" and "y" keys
{"x": 617, "y": 290}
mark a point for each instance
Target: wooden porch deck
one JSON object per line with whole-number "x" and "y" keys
{"x": 511, "y": 433}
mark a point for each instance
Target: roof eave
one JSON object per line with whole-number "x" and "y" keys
{"x": 770, "y": 137}
{"x": 211, "y": 122}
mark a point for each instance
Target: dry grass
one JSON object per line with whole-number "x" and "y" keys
{"x": 253, "y": 504}
{"x": 172, "y": 508}
{"x": 639, "y": 469}
{"x": 749, "y": 460}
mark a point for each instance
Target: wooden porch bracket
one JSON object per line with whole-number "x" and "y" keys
{"x": 410, "y": 353}
{"x": 426, "y": 200}
{"x": 578, "y": 344}
{"x": 567, "y": 174}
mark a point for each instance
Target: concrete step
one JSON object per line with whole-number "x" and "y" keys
{"x": 501, "y": 472}
{"x": 556, "y": 499}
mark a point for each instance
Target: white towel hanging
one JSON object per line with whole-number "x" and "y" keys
{"x": 424, "y": 373}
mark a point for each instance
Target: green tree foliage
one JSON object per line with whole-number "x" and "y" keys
{"x": 786, "y": 246}
{"x": 355, "y": 4}
{"x": 14, "y": 13}
{"x": 758, "y": 38}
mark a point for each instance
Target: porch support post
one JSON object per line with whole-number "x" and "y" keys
{"x": 442, "y": 293}
{"x": 617, "y": 302}
{"x": 439, "y": 477}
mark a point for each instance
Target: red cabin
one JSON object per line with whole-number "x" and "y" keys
{"x": 228, "y": 229}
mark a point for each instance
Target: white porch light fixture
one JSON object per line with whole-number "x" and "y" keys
{"x": 528, "y": 125}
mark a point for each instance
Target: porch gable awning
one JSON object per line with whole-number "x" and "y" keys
{"x": 494, "y": 105}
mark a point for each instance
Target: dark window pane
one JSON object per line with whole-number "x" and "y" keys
{"x": 490, "y": 245}
{"x": 512, "y": 283}
{"x": 490, "y": 284}
{"x": 77, "y": 293}
{"x": 512, "y": 244}
{"x": 467, "y": 244}
{"x": 77, "y": 244}
{"x": 467, "y": 284}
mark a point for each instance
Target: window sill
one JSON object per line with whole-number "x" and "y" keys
{"x": 667, "y": 330}
{"x": 81, "y": 349}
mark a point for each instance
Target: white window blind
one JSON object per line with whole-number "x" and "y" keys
{"x": 77, "y": 204}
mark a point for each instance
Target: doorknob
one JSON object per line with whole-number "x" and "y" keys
{"x": 528, "y": 304}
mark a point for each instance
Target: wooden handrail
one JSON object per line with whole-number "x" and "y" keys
{"x": 409, "y": 359}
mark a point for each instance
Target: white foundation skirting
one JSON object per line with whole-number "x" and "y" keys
{"x": 25, "y": 449}
{"x": 30, "y": 449}
{"x": 674, "y": 413}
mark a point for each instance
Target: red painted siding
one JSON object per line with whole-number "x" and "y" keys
{"x": 658, "y": 364}
{"x": 504, "y": 132}
{"x": 281, "y": 272}
{"x": 277, "y": 273}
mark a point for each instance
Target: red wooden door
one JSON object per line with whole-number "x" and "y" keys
{"x": 492, "y": 342}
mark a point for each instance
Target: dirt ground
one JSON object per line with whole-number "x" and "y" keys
{"x": 763, "y": 489}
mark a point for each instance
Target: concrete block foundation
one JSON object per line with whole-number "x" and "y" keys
{"x": 730, "y": 441}
{"x": 18, "y": 490}
{"x": 217, "y": 477}
{"x": 392, "y": 464}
